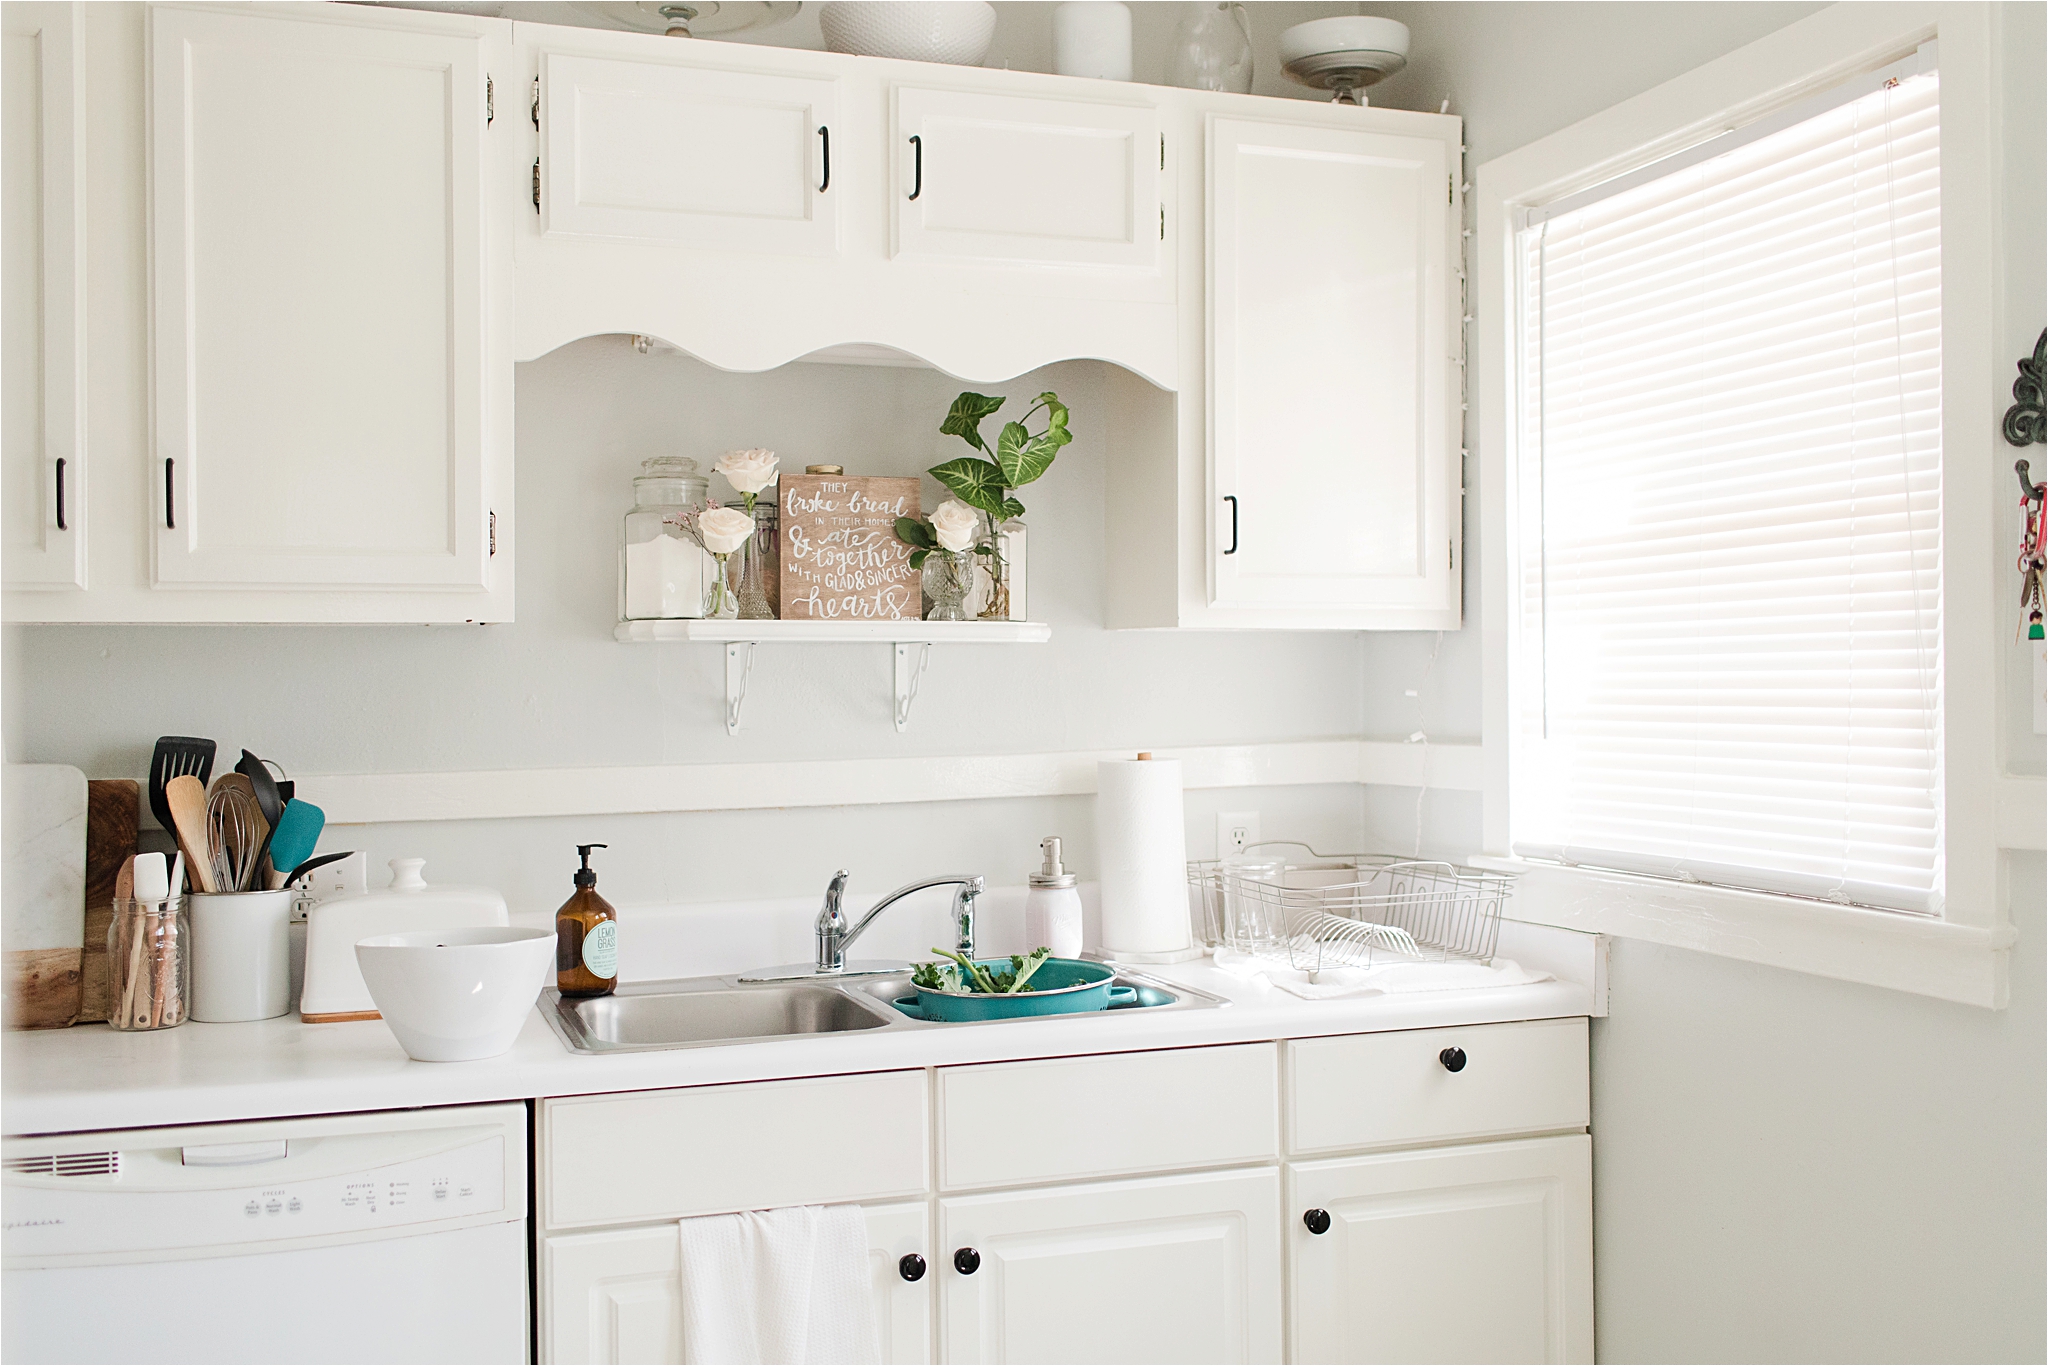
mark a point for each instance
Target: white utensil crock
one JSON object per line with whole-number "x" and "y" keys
{"x": 241, "y": 955}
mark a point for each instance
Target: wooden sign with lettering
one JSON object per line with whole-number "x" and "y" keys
{"x": 841, "y": 560}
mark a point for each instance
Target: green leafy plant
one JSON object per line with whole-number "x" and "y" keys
{"x": 970, "y": 976}
{"x": 984, "y": 481}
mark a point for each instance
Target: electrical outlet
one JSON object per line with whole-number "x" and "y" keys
{"x": 343, "y": 877}
{"x": 1234, "y": 831}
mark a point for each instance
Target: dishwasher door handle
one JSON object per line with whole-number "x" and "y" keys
{"x": 235, "y": 1154}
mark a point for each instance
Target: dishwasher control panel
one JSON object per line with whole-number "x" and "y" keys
{"x": 318, "y": 1187}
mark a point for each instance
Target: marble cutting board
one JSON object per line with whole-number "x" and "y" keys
{"x": 42, "y": 892}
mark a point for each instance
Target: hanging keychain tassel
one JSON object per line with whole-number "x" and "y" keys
{"x": 2033, "y": 562}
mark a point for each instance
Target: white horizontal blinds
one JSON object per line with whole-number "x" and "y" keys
{"x": 1728, "y": 661}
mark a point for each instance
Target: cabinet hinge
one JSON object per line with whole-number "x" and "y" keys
{"x": 490, "y": 101}
{"x": 494, "y": 533}
{"x": 536, "y": 101}
{"x": 536, "y": 184}
{"x": 1162, "y": 151}
{"x": 1454, "y": 555}
{"x": 1162, "y": 222}
{"x": 1450, "y": 189}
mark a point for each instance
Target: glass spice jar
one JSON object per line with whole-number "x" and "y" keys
{"x": 149, "y": 964}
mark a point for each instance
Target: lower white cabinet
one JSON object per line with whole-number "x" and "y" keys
{"x": 1469, "y": 1254}
{"x": 1175, "y": 1269}
{"x": 615, "y": 1296}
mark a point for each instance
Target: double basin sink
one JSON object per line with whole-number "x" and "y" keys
{"x": 701, "y": 1012}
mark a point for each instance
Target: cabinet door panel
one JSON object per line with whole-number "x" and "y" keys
{"x": 614, "y": 1296}
{"x": 1330, "y": 340}
{"x": 42, "y": 297}
{"x": 673, "y": 154}
{"x": 1173, "y": 1269}
{"x": 1472, "y": 1254}
{"x": 319, "y": 273}
{"x": 1026, "y": 181}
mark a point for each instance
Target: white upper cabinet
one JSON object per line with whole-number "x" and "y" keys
{"x": 705, "y": 158}
{"x": 42, "y": 295}
{"x": 320, "y": 278}
{"x": 1332, "y": 406}
{"x": 1026, "y": 181}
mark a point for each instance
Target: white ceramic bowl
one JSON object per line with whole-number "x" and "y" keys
{"x": 1343, "y": 33}
{"x": 455, "y": 995}
{"x": 953, "y": 31}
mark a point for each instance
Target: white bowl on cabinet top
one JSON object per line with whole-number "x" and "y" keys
{"x": 457, "y": 995}
{"x": 956, "y": 32}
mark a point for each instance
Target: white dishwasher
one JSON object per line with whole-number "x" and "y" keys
{"x": 398, "y": 1236}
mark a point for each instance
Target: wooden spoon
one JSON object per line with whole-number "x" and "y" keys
{"x": 187, "y": 801}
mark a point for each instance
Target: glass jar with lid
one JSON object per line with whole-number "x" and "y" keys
{"x": 662, "y": 572}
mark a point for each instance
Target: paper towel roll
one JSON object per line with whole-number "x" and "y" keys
{"x": 1141, "y": 843}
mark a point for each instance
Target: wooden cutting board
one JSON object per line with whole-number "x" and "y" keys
{"x": 42, "y": 893}
{"x": 112, "y": 808}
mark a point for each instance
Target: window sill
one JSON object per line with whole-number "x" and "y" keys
{"x": 1927, "y": 957}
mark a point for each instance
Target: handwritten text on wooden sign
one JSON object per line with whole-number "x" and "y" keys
{"x": 841, "y": 560}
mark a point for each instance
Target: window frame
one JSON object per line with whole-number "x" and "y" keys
{"x": 1962, "y": 955}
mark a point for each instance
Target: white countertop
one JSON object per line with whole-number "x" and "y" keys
{"x": 92, "y": 1077}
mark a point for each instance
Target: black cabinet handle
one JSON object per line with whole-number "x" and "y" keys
{"x": 1231, "y": 499}
{"x": 917, "y": 185}
{"x": 911, "y": 1267}
{"x": 825, "y": 141}
{"x": 60, "y": 493}
{"x": 967, "y": 1261}
{"x": 1318, "y": 1221}
{"x": 170, "y": 484}
{"x": 1453, "y": 1059}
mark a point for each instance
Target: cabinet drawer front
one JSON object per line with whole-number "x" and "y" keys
{"x": 716, "y": 1149}
{"x": 974, "y": 151}
{"x": 1180, "y": 1268}
{"x": 1078, "y": 1118}
{"x": 1379, "y": 1090}
{"x": 660, "y": 153}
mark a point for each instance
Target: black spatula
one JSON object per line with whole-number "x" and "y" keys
{"x": 175, "y": 757}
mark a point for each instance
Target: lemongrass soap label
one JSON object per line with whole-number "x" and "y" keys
{"x": 601, "y": 950}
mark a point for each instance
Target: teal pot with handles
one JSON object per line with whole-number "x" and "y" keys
{"x": 1061, "y": 986}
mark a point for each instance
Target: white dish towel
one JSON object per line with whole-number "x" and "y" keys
{"x": 774, "y": 1286}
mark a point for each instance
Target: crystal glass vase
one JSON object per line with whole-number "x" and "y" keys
{"x": 750, "y": 583}
{"x": 720, "y": 602}
{"x": 1212, "y": 49}
{"x": 948, "y": 574}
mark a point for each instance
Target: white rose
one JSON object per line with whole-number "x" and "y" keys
{"x": 747, "y": 471}
{"x": 724, "y": 529}
{"x": 956, "y": 525}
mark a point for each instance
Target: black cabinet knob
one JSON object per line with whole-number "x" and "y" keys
{"x": 1453, "y": 1059}
{"x": 911, "y": 1267}
{"x": 1318, "y": 1221}
{"x": 967, "y": 1261}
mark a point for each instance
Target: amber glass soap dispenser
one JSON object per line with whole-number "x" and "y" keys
{"x": 586, "y": 937}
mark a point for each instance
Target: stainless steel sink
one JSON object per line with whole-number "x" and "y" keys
{"x": 716, "y": 1012}
{"x": 703, "y": 1012}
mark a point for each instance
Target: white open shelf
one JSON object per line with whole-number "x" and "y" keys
{"x": 740, "y": 638}
{"x": 909, "y": 632}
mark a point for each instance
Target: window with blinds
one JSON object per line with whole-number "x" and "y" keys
{"x": 1727, "y": 663}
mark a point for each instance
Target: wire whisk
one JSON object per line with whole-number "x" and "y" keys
{"x": 234, "y": 836}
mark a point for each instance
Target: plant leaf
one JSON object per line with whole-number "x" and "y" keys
{"x": 964, "y": 419}
{"x": 918, "y": 557}
{"x": 1055, "y": 411}
{"x": 1011, "y": 509}
{"x": 976, "y": 483}
{"x": 911, "y": 531}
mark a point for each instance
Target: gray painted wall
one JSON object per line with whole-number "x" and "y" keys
{"x": 1785, "y": 1168}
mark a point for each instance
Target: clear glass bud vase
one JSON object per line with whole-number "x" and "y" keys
{"x": 750, "y": 583}
{"x": 720, "y": 602}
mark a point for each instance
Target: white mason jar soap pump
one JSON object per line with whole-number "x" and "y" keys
{"x": 1052, "y": 908}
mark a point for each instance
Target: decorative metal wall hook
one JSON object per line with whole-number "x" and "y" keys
{"x": 2033, "y": 492}
{"x": 2025, "y": 422}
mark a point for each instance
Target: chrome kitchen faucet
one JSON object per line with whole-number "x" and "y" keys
{"x": 834, "y": 938}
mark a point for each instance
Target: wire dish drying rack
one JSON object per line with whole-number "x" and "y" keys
{"x": 1347, "y": 910}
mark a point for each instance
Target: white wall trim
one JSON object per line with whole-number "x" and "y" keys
{"x": 1961, "y": 957}
{"x": 380, "y": 798}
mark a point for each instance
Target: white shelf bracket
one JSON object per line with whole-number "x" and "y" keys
{"x": 739, "y": 669}
{"x": 909, "y": 678}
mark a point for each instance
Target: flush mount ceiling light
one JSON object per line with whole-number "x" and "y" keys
{"x": 699, "y": 19}
{"x": 1344, "y": 54}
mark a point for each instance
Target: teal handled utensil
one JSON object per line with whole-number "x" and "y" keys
{"x": 291, "y": 844}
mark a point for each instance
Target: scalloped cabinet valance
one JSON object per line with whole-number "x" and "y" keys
{"x": 360, "y": 220}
